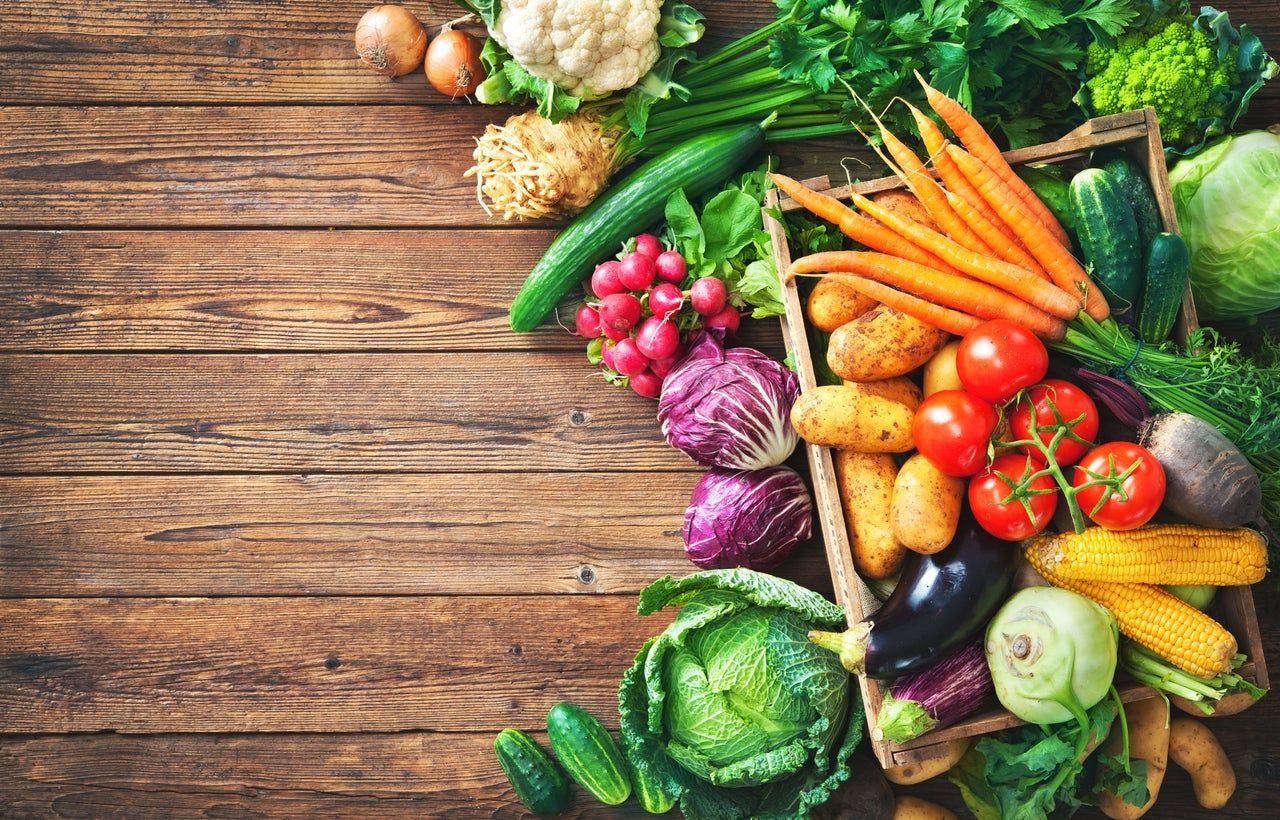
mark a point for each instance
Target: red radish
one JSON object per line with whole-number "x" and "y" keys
{"x": 636, "y": 271}
{"x": 647, "y": 385}
{"x": 627, "y": 358}
{"x": 661, "y": 367}
{"x": 657, "y": 338}
{"x": 604, "y": 281}
{"x": 619, "y": 311}
{"x": 606, "y": 355}
{"x": 648, "y": 245}
{"x": 671, "y": 266}
{"x": 614, "y": 335}
{"x": 708, "y": 295}
{"x": 727, "y": 319}
{"x": 587, "y": 322}
{"x": 665, "y": 300}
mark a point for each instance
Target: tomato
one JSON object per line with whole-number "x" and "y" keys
{"x": 1143, "y": 489}
{"x": 1072, "y": 403}
{"x": 999, "y": 358}
{"x": 952, "y": 428}
{"x": 1004, "y": 517}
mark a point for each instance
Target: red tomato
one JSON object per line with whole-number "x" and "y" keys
{"x": 1002, "y": 516}
{"x": 1072, "y": 404}
{"x": 952, "y": 428}
{"x": 999, "y": 358}
{"x": 1143, "y": 489}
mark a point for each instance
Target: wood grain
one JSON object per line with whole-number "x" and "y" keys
{"x": 458, "y": 533}
{"x": 324, "y": 664}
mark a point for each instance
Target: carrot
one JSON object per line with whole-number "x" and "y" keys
{"x": 980, "y": 144}
{"x": 952, "y": 321}
{"x": 913, "y": 172}
{"x": 946, "y": 289}
{"x": 856, "y": 226}
{"x": 1010, "y": 250}
{"x": 1058, "y": 263}
{"x": 1019, "y": 281}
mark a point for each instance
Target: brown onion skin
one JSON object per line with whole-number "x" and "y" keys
{"x": 453, "y": 63}
{"x": 390, "y": 40}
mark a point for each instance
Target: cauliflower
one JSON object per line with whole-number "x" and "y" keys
{"x": 589, "y": 49}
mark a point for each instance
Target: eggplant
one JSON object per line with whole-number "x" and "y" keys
{"x": 936, "y": 696}
{"x": 941, "y": 601}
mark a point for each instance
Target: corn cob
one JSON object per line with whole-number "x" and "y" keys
{"x": 1176, "y": 631}
{"x": 1160, "y": 554}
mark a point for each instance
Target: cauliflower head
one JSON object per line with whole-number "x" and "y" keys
{"x": 589, "y": 48}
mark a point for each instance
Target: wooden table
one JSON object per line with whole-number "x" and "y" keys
{"x": 289, "y": 522}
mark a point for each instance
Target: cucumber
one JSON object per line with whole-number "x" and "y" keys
{"x": 1168, "y": 266}
{"x": 587, "y": 752}
{"x": 637, "y": 202}
{"x": 650, "y": 791}
{"x": 534, "y": 776}
{"x": 1108, "y": 237}
{"x": 1053, "y": 191}
{"x": 1137, "y": 192}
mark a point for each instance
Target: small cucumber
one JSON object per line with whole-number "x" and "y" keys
{"x": 1168, "y": 266}
{"x": 1108, "y": 237}
{"x": 1137, "y": 192}
{"x": 1053, "y": 191}
{"x": 588, "y": 753}
{"x": 650, "y": 791}
{"x": 533, "y": 774}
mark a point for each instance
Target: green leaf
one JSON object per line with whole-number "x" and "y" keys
{"x": 950, "y": 73}
{"x": 911, "y": 28}
{"x": 948, "y": 14}
{"x": 595, "y": 350}
{"x": 1106, "y": 17}
{"x": 756, "y": 587}
{"x": 687, "y": 231}
{"x": 1038, "y": 14}
{"x": 729, "y": 221}
{"x": 761, "y": 288}
{"x": 841, "y": 15}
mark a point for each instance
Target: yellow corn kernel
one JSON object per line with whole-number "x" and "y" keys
{"x": 1160, "y": 554}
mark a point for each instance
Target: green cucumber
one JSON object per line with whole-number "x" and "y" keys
{"x": 651, "y": 793}
{"x": 1137, "y": 192}
{"x": 697, "y": 165}
{"x": 588, "y": 753}
{"x": 533, "y": 774}
{"x": 1168, "y": 266}
{"x": 1108, "y": 235}
{"x": 1053, "y": 191}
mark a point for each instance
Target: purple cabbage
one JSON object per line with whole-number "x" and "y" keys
{"x": 747, "y": 518}
{"x": 729, "y": 408}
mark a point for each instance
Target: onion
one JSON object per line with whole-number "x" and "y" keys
{"x": 453, "y": 63}
{"x": 390, "y": 40}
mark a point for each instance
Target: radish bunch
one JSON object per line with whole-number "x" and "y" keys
{"x": 642, "y": 311}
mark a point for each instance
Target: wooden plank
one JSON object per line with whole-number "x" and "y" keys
{"x": 232, "y": 51}
{"x": 351, "y": 535}
{"x": 275, "y": 290}
{"x": 325, "y": 664}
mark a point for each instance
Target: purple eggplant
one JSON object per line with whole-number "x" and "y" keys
{"x": 941, "y": 601}
{"x": 936, "y": 696}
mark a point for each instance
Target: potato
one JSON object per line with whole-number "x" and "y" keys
{"x": 1226, "y": 707}
{"x": 838, "y": 416}
{"x": 905, "y": 205}
{"x": 940, "y": 371}
{"x": 866, "y": 489}
{"x": 833, "y": 303}
{"x": 918, "y": 771}
{"x": 1193, "y": 747}
{"x": 926, "y": 506}
{"x": 880, "y": 344}
{"x": 1148, "y": 722}
{"x": 909, "y": 807}
{"x": 900, "y": 389}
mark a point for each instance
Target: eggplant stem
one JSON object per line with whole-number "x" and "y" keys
{"x": 850, "y": 645}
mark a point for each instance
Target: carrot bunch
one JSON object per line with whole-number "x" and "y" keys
{"x": 999, "y": 252}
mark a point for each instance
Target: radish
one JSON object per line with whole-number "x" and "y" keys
{"x": 587, "y": 322}
{"x": 727, "y": 319}
{"x": 619, "y": 311}
{"x": 657, "y": 338}
{"x": 671, "y": 266}
{"x": 606, "y": 355}
{"x": 708, "y": 295}
{"x": 636, "y": 271}
{"x": 647, "y": 385}
{"x": 627, "y": 358}
{"x": 614, "y": 335}
{"x": 648, "y": 245}
{"x": 665, "y": 300}
{"x": 661, "y": 367}
{"x": 604, "y": 280}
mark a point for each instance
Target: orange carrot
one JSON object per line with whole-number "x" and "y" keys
{"x": 856, "y": 226}
{"x": 980, "y": 144}
{"x": 946, "y": 289}
{"x": 1010, "y": 250}
{"x": 1021, "y": 282}
{"x": 912, "y": 171}
{"x": 1058, "y": 263}
{"x": 952, "y": 321}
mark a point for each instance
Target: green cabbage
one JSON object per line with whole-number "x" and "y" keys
{"x": 1228, "y": 202}
{"x": 732, "y": 708}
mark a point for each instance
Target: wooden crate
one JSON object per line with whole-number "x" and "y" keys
{"x": 1139, "y": 134}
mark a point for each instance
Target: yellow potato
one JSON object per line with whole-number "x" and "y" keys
{"x": 1226, "y": 707}
{"x": 905, "y": 205}
{"x": 866, "y": 490}
{"x": 1148, "y": 722}
{"x": 900, "y": 389}
{"x": 841, "y": 417}
{"x": 926, "y": 506}
{"x": 1193, "y": 747}
{"x": 918, "y": 771}
{"x": 940, "y": 371}
{"x": 909, "y": 807}
{"x": 833, "y": 303}
{"x": 880, "y": 344}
